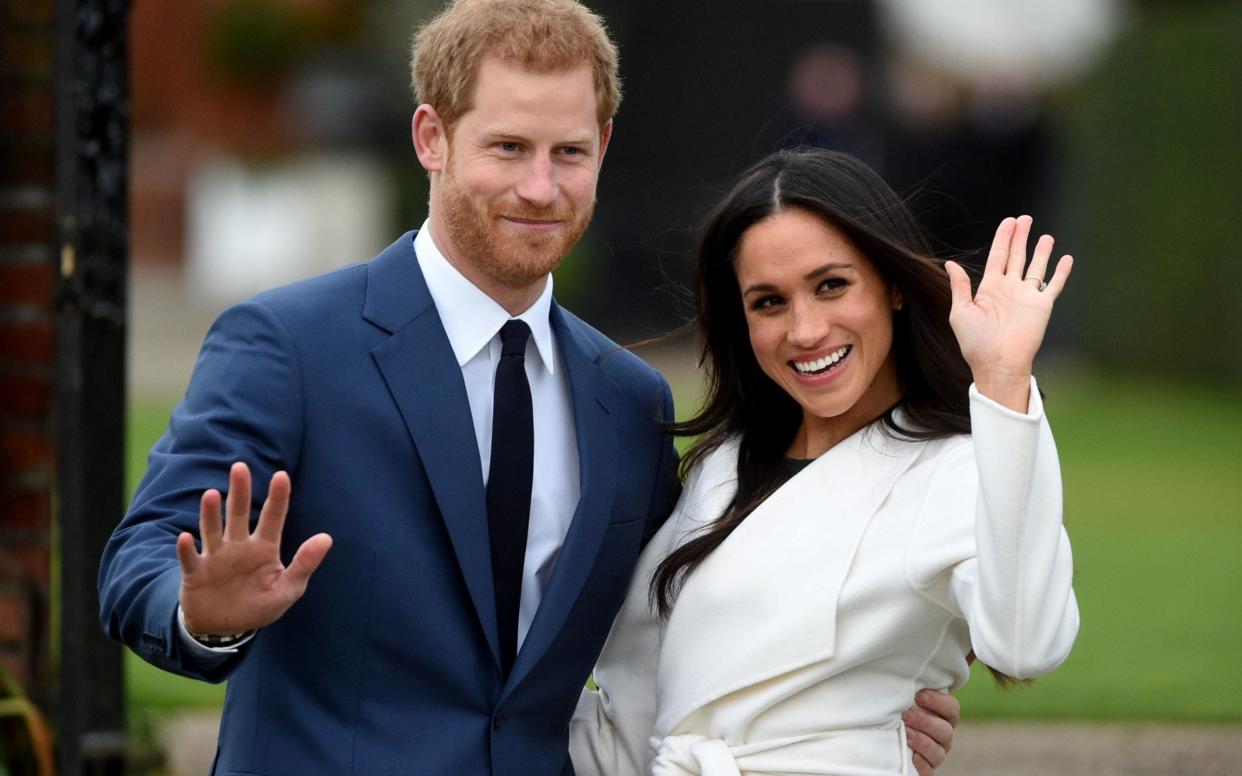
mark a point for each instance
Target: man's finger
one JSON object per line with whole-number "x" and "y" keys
{"x": 306, "y": 560}
{"x": 275, "y": 507}
{"x": 922, "y": 766}
{"x": 936, "y": 730}
{"x": 187, "y": 554}
{"x": 237, "y": 505}
{"x": 209, "y": 526}
{"x": 942, "y": 704}
{"x": 925, "y": 747}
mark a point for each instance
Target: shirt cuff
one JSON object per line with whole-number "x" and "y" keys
{"x": 1034, "y": 406}
{"x": 201, "y": 650}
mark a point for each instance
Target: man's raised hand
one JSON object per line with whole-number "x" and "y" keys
{"x": 237, "y": 583}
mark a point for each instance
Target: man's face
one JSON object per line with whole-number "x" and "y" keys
{"x": 517, "y": 188}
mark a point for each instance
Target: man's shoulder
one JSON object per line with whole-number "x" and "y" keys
{"x": 344, "y": 289}
{"x": 311, "y": 295}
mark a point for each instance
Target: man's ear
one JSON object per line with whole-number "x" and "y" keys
{"x": 430, "y": 138}
{"x": 605, "y": 134}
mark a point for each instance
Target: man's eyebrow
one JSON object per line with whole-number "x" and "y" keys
{"x": 494, "y": 133}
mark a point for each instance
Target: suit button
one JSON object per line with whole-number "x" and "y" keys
{"x": 498, "y": 719}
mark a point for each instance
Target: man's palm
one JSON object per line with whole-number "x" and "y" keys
{"x": 237, "y": 582}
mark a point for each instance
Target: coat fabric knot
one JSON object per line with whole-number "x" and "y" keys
{"x": 860, "y": 752}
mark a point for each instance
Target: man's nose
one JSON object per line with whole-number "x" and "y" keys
{"x": 538, "y": 185}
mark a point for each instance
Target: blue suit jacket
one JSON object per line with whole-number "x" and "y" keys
{"x": 389, "y": 663}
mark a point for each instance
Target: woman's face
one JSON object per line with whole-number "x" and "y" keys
{"x": 820, "y": 317}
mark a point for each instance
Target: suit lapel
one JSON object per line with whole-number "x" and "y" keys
{"x": 593, "y": 393}
{"x": 425, "y": 381}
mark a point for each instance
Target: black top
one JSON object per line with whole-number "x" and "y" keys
{"x": 795, "y": 465}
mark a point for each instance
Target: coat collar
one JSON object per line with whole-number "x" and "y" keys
{"x": 775, "y": 575}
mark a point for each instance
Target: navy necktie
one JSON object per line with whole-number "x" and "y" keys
{"x": 509, "y": 483}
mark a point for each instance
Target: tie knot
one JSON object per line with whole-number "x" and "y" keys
{"x": 513, "y": 336}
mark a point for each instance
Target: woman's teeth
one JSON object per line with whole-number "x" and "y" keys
{"x": 821, "y": 364}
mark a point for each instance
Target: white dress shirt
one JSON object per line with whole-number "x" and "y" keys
{"x": 472, "y": 321}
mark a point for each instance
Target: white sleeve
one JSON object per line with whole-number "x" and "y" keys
{"x": 203, "y": 654}
{"x": 610, "y": 733}
{"x": 1013, "y": 578}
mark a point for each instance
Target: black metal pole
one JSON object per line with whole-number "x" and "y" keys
{"x": 92, "y": 141}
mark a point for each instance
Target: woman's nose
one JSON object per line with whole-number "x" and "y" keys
{"x": 808, "y": 327}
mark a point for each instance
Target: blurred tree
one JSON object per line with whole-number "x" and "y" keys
{"x": 1156, "y": 184}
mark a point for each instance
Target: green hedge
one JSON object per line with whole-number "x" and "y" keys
{"x": 1155, "y": 189}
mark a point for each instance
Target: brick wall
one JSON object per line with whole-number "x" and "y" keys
{"x": 27, "y": 338}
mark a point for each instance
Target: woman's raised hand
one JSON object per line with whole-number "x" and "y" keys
{"x": 1000, "y": 329}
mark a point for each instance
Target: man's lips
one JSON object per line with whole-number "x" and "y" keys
{"x": 534, "y": 223}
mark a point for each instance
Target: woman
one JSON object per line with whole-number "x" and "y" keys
{"x": 857, "y": 515}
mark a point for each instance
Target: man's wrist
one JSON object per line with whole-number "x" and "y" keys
{"x": 214, "y": 640}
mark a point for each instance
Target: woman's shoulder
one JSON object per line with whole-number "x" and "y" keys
{"x": 715, "y": 468}
{"x": 708, "y": 488}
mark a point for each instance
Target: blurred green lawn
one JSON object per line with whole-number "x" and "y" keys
{"x": 1153, "y": 483}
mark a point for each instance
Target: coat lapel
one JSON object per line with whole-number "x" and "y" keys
{"x": 593, "y": 393}
{"x": 423, "y": 376}
{"x": 764, "y": 602}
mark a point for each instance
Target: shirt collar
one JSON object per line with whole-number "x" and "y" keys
{"x": 471, "y": 318}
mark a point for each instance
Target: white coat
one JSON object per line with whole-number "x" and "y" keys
{"x": 796, "y": 645}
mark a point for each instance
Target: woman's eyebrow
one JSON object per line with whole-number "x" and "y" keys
{"x": 829, "y": 267}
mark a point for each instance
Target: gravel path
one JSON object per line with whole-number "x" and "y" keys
{"x": 982, "y": 748}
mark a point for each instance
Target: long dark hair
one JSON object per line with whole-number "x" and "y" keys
{"x": 744, "y": 403}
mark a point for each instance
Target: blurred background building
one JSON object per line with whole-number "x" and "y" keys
{"x": 270, "y": 142}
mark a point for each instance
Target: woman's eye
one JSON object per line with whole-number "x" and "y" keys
{"x": 833, "y": 284}
{"x": 766, "y": 302}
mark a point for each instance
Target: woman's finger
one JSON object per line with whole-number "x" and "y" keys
{"x": 1017, "y": 247}
{"x": 1039, "y": 260}
{"x": 959, "y": 284}
{"x": 999, "y": 252}
{"x": 1057, "y": 284}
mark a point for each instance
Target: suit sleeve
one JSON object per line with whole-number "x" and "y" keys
{"x": 667, "y": 485}
{"x": 1010, "y": 567}
{"x": 243, "y": 403}
{"x": 610, "y": 734}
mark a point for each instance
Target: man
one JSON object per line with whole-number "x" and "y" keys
{"x": 482, "y": 465}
